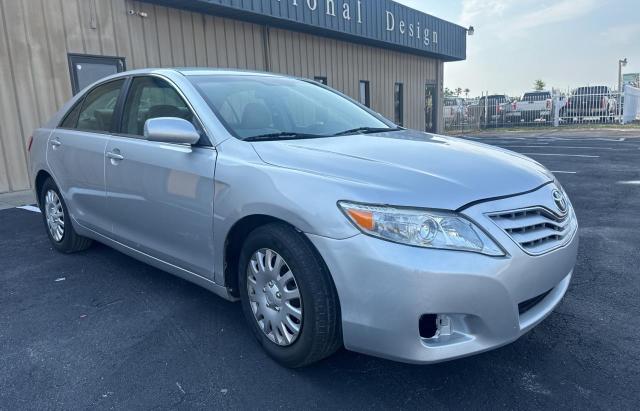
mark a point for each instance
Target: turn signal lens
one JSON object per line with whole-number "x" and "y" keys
{"x": 362, "y": 218}
{"x": 30, "y": 143}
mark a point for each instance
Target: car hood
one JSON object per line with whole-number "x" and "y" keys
{"x": 409, "y": 168}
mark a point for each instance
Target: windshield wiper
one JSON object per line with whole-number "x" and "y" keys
{"x": 283, "y": 135}
{"x": 367, "y": 130}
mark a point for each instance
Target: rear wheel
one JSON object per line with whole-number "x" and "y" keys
{"x": 288, "y": 297}
{"x": 57, "y": 221}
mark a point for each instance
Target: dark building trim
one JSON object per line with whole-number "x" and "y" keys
{"x": 381, "y": 23}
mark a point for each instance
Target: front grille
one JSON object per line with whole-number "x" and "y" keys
{"x": 537, "y": 230}
{"x": 525, "y": 306}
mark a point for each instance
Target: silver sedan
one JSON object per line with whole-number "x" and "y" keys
{"x": 332, "y": 225}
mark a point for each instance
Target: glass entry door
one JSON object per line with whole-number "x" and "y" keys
{"x": 430, "y": 108}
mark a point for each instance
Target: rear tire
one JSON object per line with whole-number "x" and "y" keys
{"x": 319, "y": 329}
{"x": 57, "y": 221}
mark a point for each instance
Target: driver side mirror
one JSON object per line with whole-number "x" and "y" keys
{"x": 171, "y": 130}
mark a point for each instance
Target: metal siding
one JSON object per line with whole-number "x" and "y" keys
{"x": 121, "y": 27}
{"x": 151, "y": 36}
{"x": 21, "y": 97}
{"x": 89, "y": 18}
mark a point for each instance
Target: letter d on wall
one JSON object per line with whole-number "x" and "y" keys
{"x": 391, "y": 21}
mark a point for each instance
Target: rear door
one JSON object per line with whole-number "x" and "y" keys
{"x": 160, "y": 195}
{"x": 76, "y": 151}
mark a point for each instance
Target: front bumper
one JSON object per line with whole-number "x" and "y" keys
{"x": 384, "y": 289}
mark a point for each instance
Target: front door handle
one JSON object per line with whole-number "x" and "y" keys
{"x": 114, "y": 156}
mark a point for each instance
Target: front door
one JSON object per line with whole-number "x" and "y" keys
{"x": 75, "y": 154}
{"x": 430, "y": 108}
{"x": 160, "y": 195}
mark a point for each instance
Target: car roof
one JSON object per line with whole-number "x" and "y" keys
{"x": 197, "y": 71}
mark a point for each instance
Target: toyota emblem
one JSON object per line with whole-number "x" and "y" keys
{"x": 560, "y": 200}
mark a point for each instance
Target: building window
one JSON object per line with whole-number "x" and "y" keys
{"x": 87, "y": 69}
{"x": 399, "y": 104}
{"x": 364, "y": 93}
{"x": 322, "y": 80}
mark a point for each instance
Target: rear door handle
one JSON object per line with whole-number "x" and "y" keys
{"x": 55, "y": 142}
{"x": 114, "y": 156}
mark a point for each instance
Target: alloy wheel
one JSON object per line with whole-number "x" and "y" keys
{"x": 54, "y": 214}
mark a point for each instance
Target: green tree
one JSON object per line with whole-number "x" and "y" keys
{"x": 448, "y": 92}
{"x": 458, "y": 91}
{"x": 466, "y": 92}
{"x": 539, "y": 85}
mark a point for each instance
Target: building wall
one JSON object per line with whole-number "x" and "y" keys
{"x": 37, "y": 35}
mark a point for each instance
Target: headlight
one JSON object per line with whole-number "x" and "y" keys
{"x": 421, "y": 228}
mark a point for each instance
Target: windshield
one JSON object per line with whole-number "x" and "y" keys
{"x": 279, "y": 107}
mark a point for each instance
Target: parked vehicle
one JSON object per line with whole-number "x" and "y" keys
{"x": 328, "y": 222}
{"x": 491, "y": 110}
{"x": 454, "y": 110}
{"x": 535, "y": 106}
{"x": 590, "y": 103}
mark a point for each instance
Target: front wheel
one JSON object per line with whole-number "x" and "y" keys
{"x": 288, "y": 297}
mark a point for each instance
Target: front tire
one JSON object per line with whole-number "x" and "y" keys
{"x": 57, "y": 221}
{"x": 288, "y": 297}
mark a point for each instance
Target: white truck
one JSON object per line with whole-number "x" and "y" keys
{"x": 534, "y": 107}
{"x": 454, "y": 110}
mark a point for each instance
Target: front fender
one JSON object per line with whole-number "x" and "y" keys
{"x": 247, "y": 186}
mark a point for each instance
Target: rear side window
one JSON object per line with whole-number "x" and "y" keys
{"x": 592, "y": 90}
{"x": 536, "y": 96}
{"x": 151, "y": 97}
{"x": 98, "y": 108}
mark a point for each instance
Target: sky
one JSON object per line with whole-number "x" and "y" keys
{"x": 566, "y": 43}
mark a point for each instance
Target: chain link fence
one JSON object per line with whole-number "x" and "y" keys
{"x": 583, "y": 105}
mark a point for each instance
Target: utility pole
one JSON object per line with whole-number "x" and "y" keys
{"x": 621, "y": 63}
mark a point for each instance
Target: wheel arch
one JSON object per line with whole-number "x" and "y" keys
{"x": 41, "y": 177}
{"x": 235, "y": 239}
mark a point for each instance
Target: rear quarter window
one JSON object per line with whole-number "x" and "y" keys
{"x": 71, "y": 118}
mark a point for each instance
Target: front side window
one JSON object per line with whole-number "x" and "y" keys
{"x": 252, "y": 106}
{"x": 151, "y": 97}
{"x": 98, "y": 108}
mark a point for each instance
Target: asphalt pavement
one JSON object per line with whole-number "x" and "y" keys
{"x": 98, "y": 329}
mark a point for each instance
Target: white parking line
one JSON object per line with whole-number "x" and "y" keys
{"x": 631, "y": 182}
{"x": 560, "y": 155}
{"x": 572, "y": 147}
{"x": 564, "y": 172}
{"x": 30, "y": 208}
